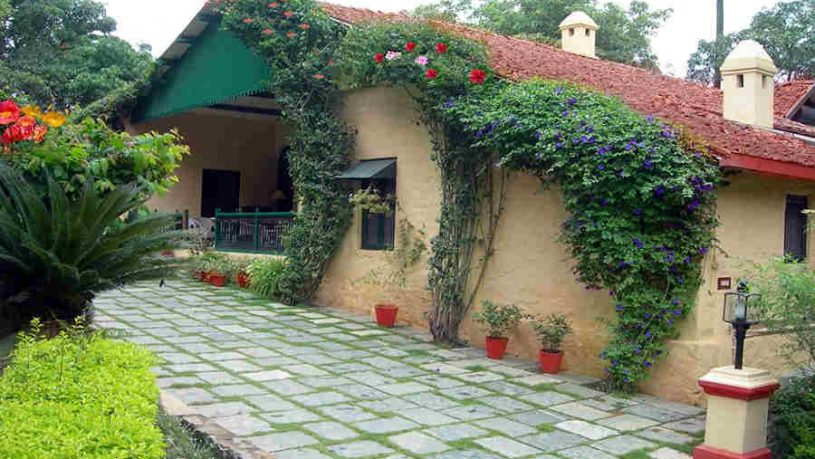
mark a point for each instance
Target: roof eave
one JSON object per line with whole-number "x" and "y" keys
{"x": 769, "y": 167}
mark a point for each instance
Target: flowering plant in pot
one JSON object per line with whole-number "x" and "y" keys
{"x": 497, "y": 320}
{"x": 551, "y": 331}
{"x": 242, "y": 275}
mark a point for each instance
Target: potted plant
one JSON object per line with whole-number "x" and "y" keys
{"x": 242, "y": 276}
{"x": 221, "y": 270}
{"x": 497, "y": 320}
{"x": 551, "y": 331}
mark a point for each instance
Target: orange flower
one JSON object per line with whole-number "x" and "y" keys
{"x": 291, "y": 34}
{"x": 9, "y": 112}
{"x": 53, "y": 119}
{"x": 31, "y": 110}
{"x": 39, "y": 133}
{"x": 304, "y": 26}
{"x": 27, "y": 121}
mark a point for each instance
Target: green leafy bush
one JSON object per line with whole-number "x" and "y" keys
{"x": 265, "y": 275}
{"x": 794, "y": 406}
{"x": 56, "y": 252}
{"x": 551, "y": 331}
{"x": 79, "y": 396}
{"x": 498, "y": 319}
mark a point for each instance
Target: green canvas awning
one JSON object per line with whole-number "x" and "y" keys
{"x": 371, "y": 169}
{"x": 215, "y": 68}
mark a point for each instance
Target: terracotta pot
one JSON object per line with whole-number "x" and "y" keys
{"x": 386, "y": 315}
{"x": 217, "y": 279}
{"x": 550, "y": 361}
{"x": 243, "y": 280}
{"x": 496, "y": 347}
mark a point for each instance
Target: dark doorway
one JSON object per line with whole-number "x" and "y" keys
{"x": 220, "y": 190}
{"x": 285, "y": 200}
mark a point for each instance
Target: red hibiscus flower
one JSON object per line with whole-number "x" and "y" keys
{"x": 267, "y": 32}
{"x": 441, "y": 48}
{"x": 477, "y": 76}
{"x": 379, "y": 58}
{"x": 410, "y": 46}
{"x": 9, "y": 112}
{"x": 248, "y": 20}
{"x": 288, "y": 14}
{"x": 431, "y": 74}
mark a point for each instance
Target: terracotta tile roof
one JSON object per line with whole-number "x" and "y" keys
{"x": 674, "y": 100}
{"x": 789, "y": 94}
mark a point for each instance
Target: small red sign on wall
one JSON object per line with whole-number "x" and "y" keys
{"x": 723, "y": 283}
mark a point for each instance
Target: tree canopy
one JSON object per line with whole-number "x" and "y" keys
{"x": 787, "y": 32}
{"x": 625, "y": 34}
{"x": 62, "y": 53}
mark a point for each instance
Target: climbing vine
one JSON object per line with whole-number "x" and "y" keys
{"x": 639, "y": 193}
{"x": 298, "y": 41}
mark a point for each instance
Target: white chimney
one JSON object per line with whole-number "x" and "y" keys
{"x": 748, "y": 85}
{"x": 579, "y": 32}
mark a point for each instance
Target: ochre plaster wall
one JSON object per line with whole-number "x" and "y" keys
{"x": 249, "y": 145}
{"x": 387, "y": 124}
{"x": 531, "y": 268}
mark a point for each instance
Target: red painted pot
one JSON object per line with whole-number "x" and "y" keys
{"x": 217, "y": 279}
{"x": 550, "y": 361}
{"x": 496, "y": 347}
{"x": 243, "y": 280}
{"x": 386, "y": 315}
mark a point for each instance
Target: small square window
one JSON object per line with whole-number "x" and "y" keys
{"x": 378, "y": 229}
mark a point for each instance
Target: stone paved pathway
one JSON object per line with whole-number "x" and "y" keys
{"x": 307, "y": 383}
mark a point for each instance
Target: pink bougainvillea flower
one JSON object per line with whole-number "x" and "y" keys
{"x": 268, "y": 32}
{"x": 9, "y": 112}
{"x": 431, "y": 74}
{"x": 274, "y": 5}
{"x": 379, "y": 58}
{"x": 248, "y": 20}
{"x": 410, "y": 46}
{"x": 477, "y": 76}
{"x": 305, "y": 26}
{"x": 291, "y": 34}
{"x": 421, "y": 60}
{"x": 441, "y": 48}
{"x": 319, "y": 76}
{"x": 288, "y": 14}
{"x": 393, "y": 55}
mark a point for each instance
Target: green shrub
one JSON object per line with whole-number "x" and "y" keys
{"x": 264, "y": 275}
{"x": 794, "y": 406}
{"x": 551, "y": 331}
{"x": 79, "y": 395}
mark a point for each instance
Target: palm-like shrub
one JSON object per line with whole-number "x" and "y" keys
{"x": 57, "y": 252}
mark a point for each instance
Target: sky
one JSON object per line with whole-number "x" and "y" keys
{"x": 158, "y": 22}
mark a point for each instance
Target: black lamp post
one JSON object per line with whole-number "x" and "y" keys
{"x": 740, "y": 313}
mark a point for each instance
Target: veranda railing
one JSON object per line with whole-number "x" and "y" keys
{"x": 251, "y": 232}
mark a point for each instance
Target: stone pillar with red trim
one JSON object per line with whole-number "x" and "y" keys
{"x": 738, "y": 402}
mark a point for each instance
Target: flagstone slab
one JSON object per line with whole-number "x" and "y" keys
{"x": 506, "y": 446}
{"x": 283, "y": 441}
{"x": 418, "y": 443}
{"x": 623, "y": 444}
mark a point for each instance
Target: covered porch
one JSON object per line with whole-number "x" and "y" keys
{"x": 235, "y": 185}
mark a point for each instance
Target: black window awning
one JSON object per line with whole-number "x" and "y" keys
{"x": 371, "y": 169}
